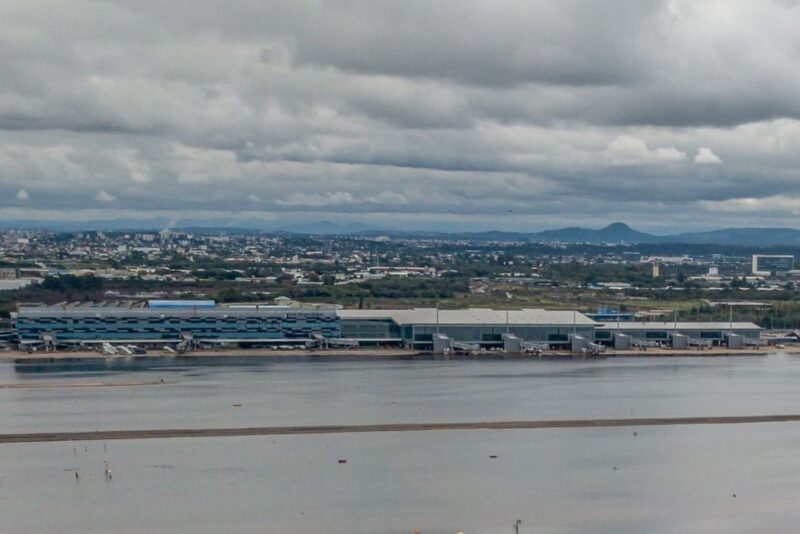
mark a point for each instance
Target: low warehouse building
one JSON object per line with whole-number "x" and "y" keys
{"x": 662, "y": 332}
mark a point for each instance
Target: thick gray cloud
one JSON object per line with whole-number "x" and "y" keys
{"x": 511, "y": 114}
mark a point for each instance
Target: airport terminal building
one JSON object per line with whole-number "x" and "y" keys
{"x": 172, "y": 322}
{"x": 205, "y": 323}
{"x": 475, "y": 326}
{"x": 685, "y": 333}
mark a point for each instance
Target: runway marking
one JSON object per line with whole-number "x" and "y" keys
{"x": 393, "y": 427}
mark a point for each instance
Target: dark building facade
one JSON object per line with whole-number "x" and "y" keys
{"x": 94, "y": 324}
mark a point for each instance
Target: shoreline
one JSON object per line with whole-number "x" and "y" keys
{"x": 376, "y": 354}
{"x": 354, "y": 354}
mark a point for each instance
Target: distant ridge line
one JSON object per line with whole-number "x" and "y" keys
{"x": 615, "y": 233}
{"x": 102, "y": 435}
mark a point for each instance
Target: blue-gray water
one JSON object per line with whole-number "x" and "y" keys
{"x": 667, "y": 479}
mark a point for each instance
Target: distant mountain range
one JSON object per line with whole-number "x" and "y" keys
{"x": 197, "y": 225}
{"x": 613, "y": 233}
{"x": 622, "y": 233}
{"x": 331, "y": 228}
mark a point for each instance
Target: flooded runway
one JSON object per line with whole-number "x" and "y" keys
{"x": 101, "y": 435}
{"x": 615, "y": 446}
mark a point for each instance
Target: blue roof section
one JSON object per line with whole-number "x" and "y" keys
{"x": 624, "y": 316}
{"x": 181, "y": 304}
{"x": 606, "y": 310}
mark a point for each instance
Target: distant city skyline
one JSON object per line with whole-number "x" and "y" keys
{"x": 464, "y": 115}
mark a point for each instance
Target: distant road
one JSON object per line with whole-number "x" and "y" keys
{"x": 395, "y": 427}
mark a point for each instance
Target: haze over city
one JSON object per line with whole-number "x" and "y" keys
{"x": 461, "y": 115}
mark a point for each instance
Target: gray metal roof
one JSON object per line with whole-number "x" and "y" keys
{"x": 680, "y": 325}
{"x": 100, "y": 311}
{"x": 472, "y": 316}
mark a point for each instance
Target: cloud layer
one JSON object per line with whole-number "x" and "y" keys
{"x": 510, "y": 114}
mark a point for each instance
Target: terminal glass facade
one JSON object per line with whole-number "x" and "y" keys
{"x": 370, "y": 329}
{"x": 492, "y": 334}
{"x": 151, "y": 325}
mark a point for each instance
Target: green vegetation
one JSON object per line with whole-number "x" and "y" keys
{"x": 471, "y": 273}
{"x": 72, "y": 283}
{"x": 386, "y": 288}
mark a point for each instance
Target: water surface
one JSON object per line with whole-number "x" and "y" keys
{"x": 664, "y": 479}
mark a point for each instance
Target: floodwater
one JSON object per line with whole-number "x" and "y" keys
{"x": 706, "y": 478}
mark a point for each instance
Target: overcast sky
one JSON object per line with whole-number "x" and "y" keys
{"x": 496, "y": 114}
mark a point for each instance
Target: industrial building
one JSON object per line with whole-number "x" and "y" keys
{"x": 768, "y": 264}
{"x": 10, "y": 280}
{"x": 678, "y": 334}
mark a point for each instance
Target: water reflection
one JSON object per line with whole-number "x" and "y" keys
{"x": 660, "y": 479}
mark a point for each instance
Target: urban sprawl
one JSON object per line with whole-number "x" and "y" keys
{"x": 180, "y": 291}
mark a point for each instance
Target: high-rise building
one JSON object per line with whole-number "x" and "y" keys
{"x": 765, "y": 264}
